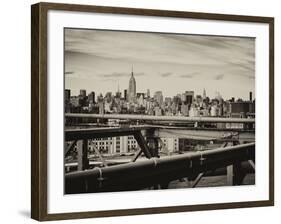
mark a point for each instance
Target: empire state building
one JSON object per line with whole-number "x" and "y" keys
{"x": 132, "y": 88}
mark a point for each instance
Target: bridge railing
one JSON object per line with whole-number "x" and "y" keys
{"x": 160, "y": 171}
{"x": 150, "y": 172}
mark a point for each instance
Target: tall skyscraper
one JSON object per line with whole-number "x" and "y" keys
{"x": 118, "y": 93}
{"x": 148, "y": 93}
{"x": 91, "y": 97}
{"x": 132, "y": 88}
{"x": 158, "y": 96}
{"x": 67, "y": 95}
{"x": 100, "y": 101}
{"x": 83, "y": 93}
{"x": 125, "y": 94}
{"x": 251, "y": 96}
{"x": 204, "y": 94}
{"x": 189, "y": 97}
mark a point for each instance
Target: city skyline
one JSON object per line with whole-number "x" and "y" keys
{"x": 152, "y": 94}
{"x": 100, "y": 61}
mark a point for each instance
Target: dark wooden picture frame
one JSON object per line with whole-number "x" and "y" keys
{"x": 39, "y": 107}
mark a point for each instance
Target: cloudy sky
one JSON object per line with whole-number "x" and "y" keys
{"x": 99, "y": 61}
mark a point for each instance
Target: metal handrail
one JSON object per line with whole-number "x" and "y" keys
{"x": 155, "y": 170}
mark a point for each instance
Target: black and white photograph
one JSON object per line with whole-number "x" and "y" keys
{"x": 154, "y": 111}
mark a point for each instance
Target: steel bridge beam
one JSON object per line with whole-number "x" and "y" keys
{"x": 158, "y": 132}
{"x": 91, "y": 133}
{"x": 141, "y": 174}
{"x": 142, "y": 144}
{"x": 207, "y": 135}
{"x": 82, "y": 154}
{"x": 162, "y": 118}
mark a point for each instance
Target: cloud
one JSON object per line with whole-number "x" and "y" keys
{"x": 219, "y": 77}
{"x": 71, "y": 74}
{"x": 120, "y": 74}
{"x": 108, "y": 80}
{"x": 114, "y": 74}
{"x": 247, "y": 65}
{"x": 162, "y": 48}
{"x": 188, "y": 76}
{"x": 139, "y": 73}
{"x": 166, "y": 74}
{"x": 251, "y": 77}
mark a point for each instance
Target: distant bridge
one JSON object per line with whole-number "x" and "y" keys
{"x": 162, "y": 118}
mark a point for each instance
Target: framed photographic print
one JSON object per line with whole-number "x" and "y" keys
{"x": 141, "y": 111}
